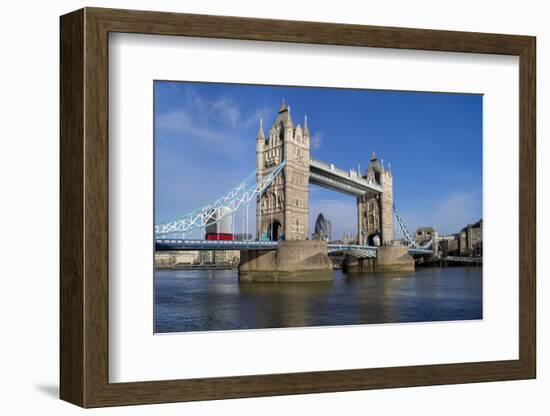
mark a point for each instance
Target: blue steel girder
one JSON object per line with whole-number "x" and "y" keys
{"x": 223, "y": 207}
{"x": 414, "y": 247}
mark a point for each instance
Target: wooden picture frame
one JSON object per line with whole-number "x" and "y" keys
{"x": 84, "y": 207}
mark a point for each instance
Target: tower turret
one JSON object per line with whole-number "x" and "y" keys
{"x": 260, "y": 145}
{"x": 283, "y": 208}
{"x": 306, "y": 127}
{"x": 386, "y": 205}
{"x": 375, "y": 211}
{"x": 305, "y": 133}
{"x": 261, "y": 130}
{"x": 298, "y": 133}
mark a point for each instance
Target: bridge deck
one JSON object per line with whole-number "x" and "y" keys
{"x": 329, "y": 176}
{"x": 187, "y": 245}
{"x": 177, "y": 244}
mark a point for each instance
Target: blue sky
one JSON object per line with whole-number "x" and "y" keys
{"x": 205, "y": 144}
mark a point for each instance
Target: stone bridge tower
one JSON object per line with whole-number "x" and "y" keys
{"x": 375, "y": 212}
{"x": 282, "y": 211}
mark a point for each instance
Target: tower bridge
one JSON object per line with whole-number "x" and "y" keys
{"x": 279, "y": 187}
{"x": 284, "y": 208}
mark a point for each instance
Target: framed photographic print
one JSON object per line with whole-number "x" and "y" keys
{"x": 255, "y": 207}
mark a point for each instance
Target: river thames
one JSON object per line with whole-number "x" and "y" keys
{"x": 210, "y": 300}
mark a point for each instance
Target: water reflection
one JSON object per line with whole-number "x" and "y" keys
{"x": 284, "y": 304}
{"x": 201, "y": 300}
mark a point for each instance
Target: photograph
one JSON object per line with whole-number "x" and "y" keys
{"x": 292, "y": 206}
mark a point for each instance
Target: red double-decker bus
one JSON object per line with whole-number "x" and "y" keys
{"x": 220, "y": 236}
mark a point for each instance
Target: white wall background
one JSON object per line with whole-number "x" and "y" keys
{"x": 29, "y": 85}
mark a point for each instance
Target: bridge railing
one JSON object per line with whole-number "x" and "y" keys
{"x": 355, "y": 250}
{"x": 189, "y": 244}
{"x": 174, "y": 244}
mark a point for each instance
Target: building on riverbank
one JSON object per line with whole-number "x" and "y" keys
{"x": 425, "y": 234}
{"x": 468, "y": 242}
{"x": 220, "y": 257}
{"x": 170, "y": 259}
{"x": 182, "y": 259}
{"x": 349, "y": 238}
{"x": 471, "y": 240}
{"x": 449, "y": 245}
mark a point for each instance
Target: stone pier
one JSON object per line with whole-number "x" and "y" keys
{"x": 293, "y": 261}
{"x": 390, "y": 259}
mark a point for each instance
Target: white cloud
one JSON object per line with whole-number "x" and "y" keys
{"x": 218, "y": 123}
{"x": 316, "y": 141}
{"x": 182, "y": 122}
{"x": 456, "y": 211}
{"x": 448, "y": 214}
{"x": 222, "y": 109}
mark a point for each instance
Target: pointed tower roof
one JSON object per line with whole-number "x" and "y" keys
{"x": 261, "y": 130}
{"x": 284, "y": 116}
{"x": 283, "y": 107}
{"x": 306, "y": 128}
{"x": 374, "y": 163}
